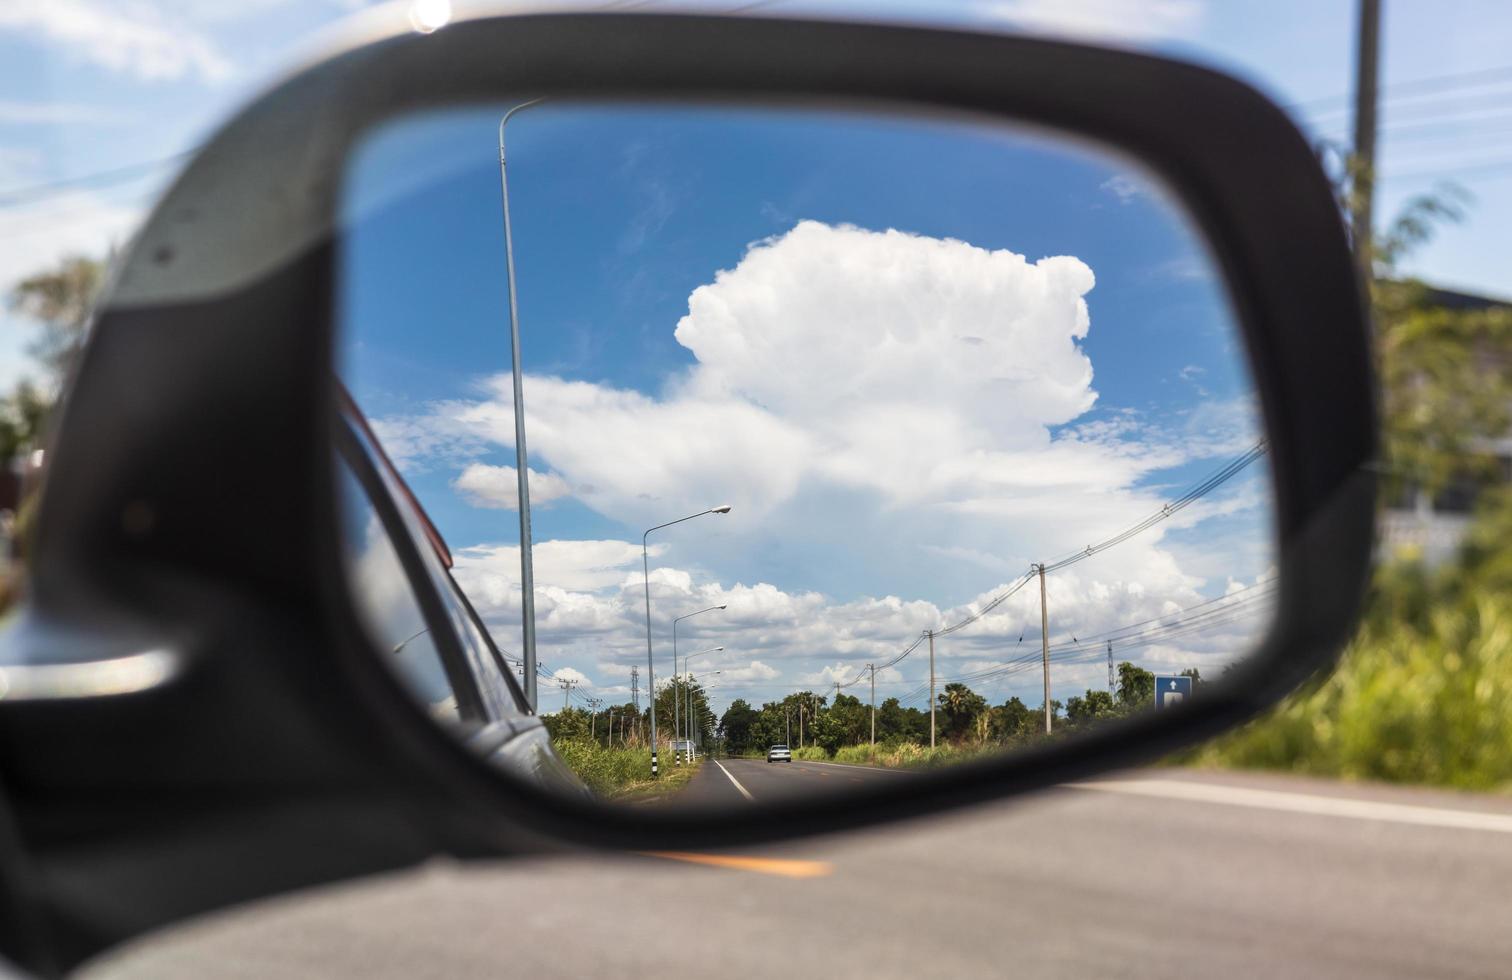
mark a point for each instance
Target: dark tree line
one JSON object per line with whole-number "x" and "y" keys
{"x": 962, "y": 717}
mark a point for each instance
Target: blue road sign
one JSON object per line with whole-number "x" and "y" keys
{"x": 1171, "y": 691}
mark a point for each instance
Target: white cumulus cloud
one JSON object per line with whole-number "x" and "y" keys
{"x": 497, "y": 487}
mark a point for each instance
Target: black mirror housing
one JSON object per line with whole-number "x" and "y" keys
{"x": 190, "y": 510}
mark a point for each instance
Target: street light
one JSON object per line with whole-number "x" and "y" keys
{"x": 676, "y": 724}
{"x": 522, "y": 470}
{"x": 688, "y": 692}
{"x": 650, "y": 661}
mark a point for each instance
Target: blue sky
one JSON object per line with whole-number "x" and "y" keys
{"x": 91, "y": 86}
{"x": 878, "y": 338}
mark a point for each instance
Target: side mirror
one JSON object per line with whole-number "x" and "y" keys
{"x": 220, "y": 688}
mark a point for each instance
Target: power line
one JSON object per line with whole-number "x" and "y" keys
{"x": 1417, "y": 86}
{"x": 62, "y": 185}
{"x": 1211, "y": 483}
{"x": 1210, "y": 614}
{"x": 1193, "y": 493}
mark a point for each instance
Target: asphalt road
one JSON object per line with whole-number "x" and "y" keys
{"x": 1156, "y": 874}
{"x": 733, "y": 782}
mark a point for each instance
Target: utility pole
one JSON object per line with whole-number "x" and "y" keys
{"x": 566, "y": 686}
{"x": 593, "y": 705}
{"x": 787, "y": 721}
{"x": 1045, "y": 647}
{"x": 611, "y": 726}
{"x": 873, "y": 669}
{"x": 801, "y": 706}
{"x": 1110, "y": 666}
{"x": 1362, "y": 177}
{"x": 635, "y": 687}
{"x": 931, "y": 689}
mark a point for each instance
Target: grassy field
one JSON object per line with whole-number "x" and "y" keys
{"x": 1424, "y": 692}
{"x": 623, "y": 773}
{"x": 906, "y": 755}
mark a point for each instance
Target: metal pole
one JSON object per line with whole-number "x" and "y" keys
{"x": 650, "y": 663}
{"x": 527, "y": 572}
{"x": 1045, "y": 647}
{"x": 931, "y": 689}
{"x": 873, "y": 669}
{"x": 1362, "y": 180}
{"x": 1110, "y": 666}
{"x": 689, "y": 712}
{"x": 676, "y": 701}
{"x": 677, "y": 620}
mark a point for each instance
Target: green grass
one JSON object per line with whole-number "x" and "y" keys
{"x": 1428, "y": 703}
{"x": 623, "y": 773}
{"x": 907, "y": 755}
{"x": 1424, "y": 692}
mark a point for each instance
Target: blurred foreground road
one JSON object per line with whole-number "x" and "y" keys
{"x": 1163, "y": 873}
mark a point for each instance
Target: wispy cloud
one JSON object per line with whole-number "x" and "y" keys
{"x": 134, "y": 39}
{"x": 1132, "y": 21}
{"x": 1123, "y": 187}
{"x": 53, "y": 113}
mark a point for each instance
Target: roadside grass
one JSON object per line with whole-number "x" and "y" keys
{"x": 623, "y": 773}
{"x": 1424, "y": 692}
{"x": 907, "y": 755}
{"x": 1427, "y": 702}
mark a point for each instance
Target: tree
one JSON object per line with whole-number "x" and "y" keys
{"x": 1013, "y": 720}
{"x": 738, "y": 727}
{"x": 569, "y": 723}
{"x": 1136, "y": 686}
{"x": 61, "y": 300}
{"x": 1090, "y": 707}
{"x": 961, "y": 706}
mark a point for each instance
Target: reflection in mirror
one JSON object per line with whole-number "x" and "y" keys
{"x": 854, "y": 440}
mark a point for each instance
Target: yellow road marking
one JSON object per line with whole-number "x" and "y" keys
{"x": 781, "y": 867}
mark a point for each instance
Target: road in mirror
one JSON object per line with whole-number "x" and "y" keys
{"x": 857, "y": 443}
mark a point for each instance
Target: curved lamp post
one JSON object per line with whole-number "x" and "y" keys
{"x": 676, "y": 724}
{"x": 527, "y": 574}
{"x": 650, "y": 660}
{"x": 688, "y": 692}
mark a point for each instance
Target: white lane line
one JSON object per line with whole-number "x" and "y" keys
{"x": 1323, "y": 806}
{"x": 743, "y": 791}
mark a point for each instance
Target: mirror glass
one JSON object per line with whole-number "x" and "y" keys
{"x": 857, "y": 443}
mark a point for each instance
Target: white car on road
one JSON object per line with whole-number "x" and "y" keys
{"x": 779, "y": 753}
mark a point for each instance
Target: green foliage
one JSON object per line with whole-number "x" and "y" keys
{"x": 1136, "y": 686}
{"x": 1445, "y": 385}
{"x": 60, "y": 300}
{"x": 738, "y": 727}
{"x": 909, "y": 755}
{"x": 619, "y": 772}
{"x": 1090, "y": 707}
{"x": 1423, "y": 694}
{"x": 961, "y": 708}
